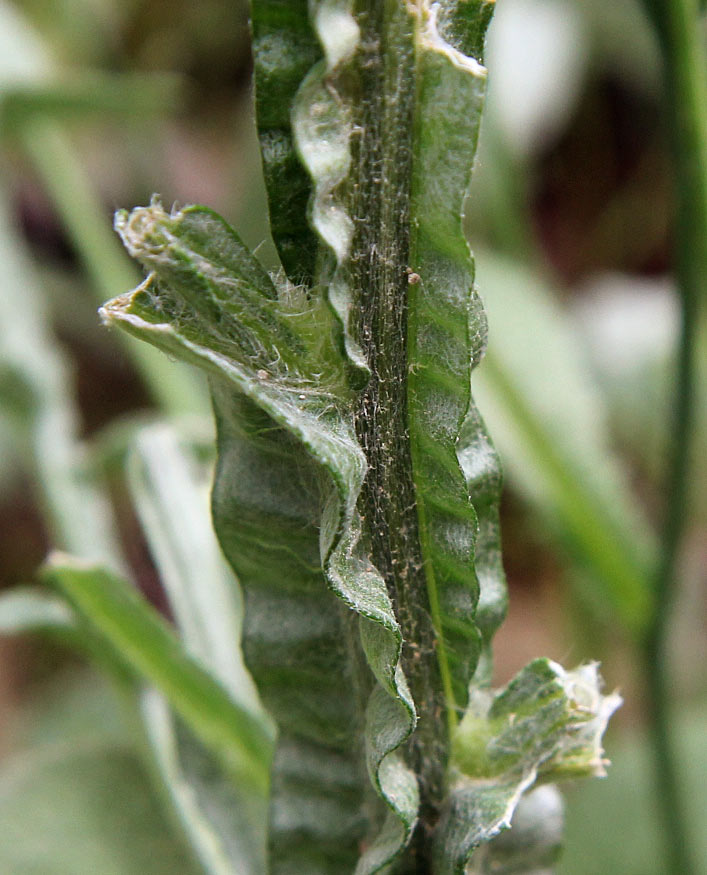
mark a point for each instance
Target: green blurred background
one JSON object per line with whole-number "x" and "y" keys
{"x": 102, "y": 103}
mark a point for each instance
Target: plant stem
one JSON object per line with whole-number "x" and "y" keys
{"x": 175, "y": 389}
{"x": 381, "y": 212}
{"x": 685, "y": 60}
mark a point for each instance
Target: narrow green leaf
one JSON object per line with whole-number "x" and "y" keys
{"x": 115, "y": 610}
{"x": 224, "y": 822}
{"x": 446, "y": 338}
{"x": 546, "y": 724}
{"x": 91, "y": 92}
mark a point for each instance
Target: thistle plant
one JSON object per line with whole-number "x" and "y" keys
{"x": 356, "y": 489}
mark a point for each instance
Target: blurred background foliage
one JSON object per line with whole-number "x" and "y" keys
{"x": 571, "y": 216}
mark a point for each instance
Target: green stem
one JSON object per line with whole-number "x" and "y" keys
{"x": 381, "y": 212}
{"x": 176, "y": 390}
{"x": 685, "y": 60}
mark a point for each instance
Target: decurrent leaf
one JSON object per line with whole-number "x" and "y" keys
{"x": 299, "y": 640}
{"x": 356, "y": 490}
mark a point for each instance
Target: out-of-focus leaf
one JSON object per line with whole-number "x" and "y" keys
{"x": 115, "y": 611}
{"x": 547, "y": 723}
{"x": 170, "y": 487}
{"x": 549, "y": 424}
{"x": 23, "y": 57}
{"x": 80, "y": 809}
{"x": 30, "y": 609}
{"x": 36, "y": 395}
{"x": 90, "y": 92}
{"x": 74, "y": 796}
{"x": 630, "y": 325}
{"x": 171, "y": 491}
{"x": 601, "y": 816}
{"x": 537, "y": 54}
{"x": 224, "y": 822}
{"x": 32, "y": 83}
{"x": 30, "y": 91}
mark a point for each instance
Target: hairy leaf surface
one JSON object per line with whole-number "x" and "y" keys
{"x": 452, "y": 456}
{"x": 288, "y": 476}
{"x": 547, "y": 723}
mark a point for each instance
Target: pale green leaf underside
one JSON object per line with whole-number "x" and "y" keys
{"x": 547, "y": 724}
{"x": 533, "y": 844}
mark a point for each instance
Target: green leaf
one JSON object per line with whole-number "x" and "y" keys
{"x": 279, "y": 388}
{"x": 90, "y": 92}
{"x": 225, "y": 825}
{"x": 115, "y": 610}
{"x": 284, "y": 49}
{"x": 546, "y": 724}
{"x": 452, "y": 456}
{"x": 553, "y": 437}
{"x": 224, "y": 822}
